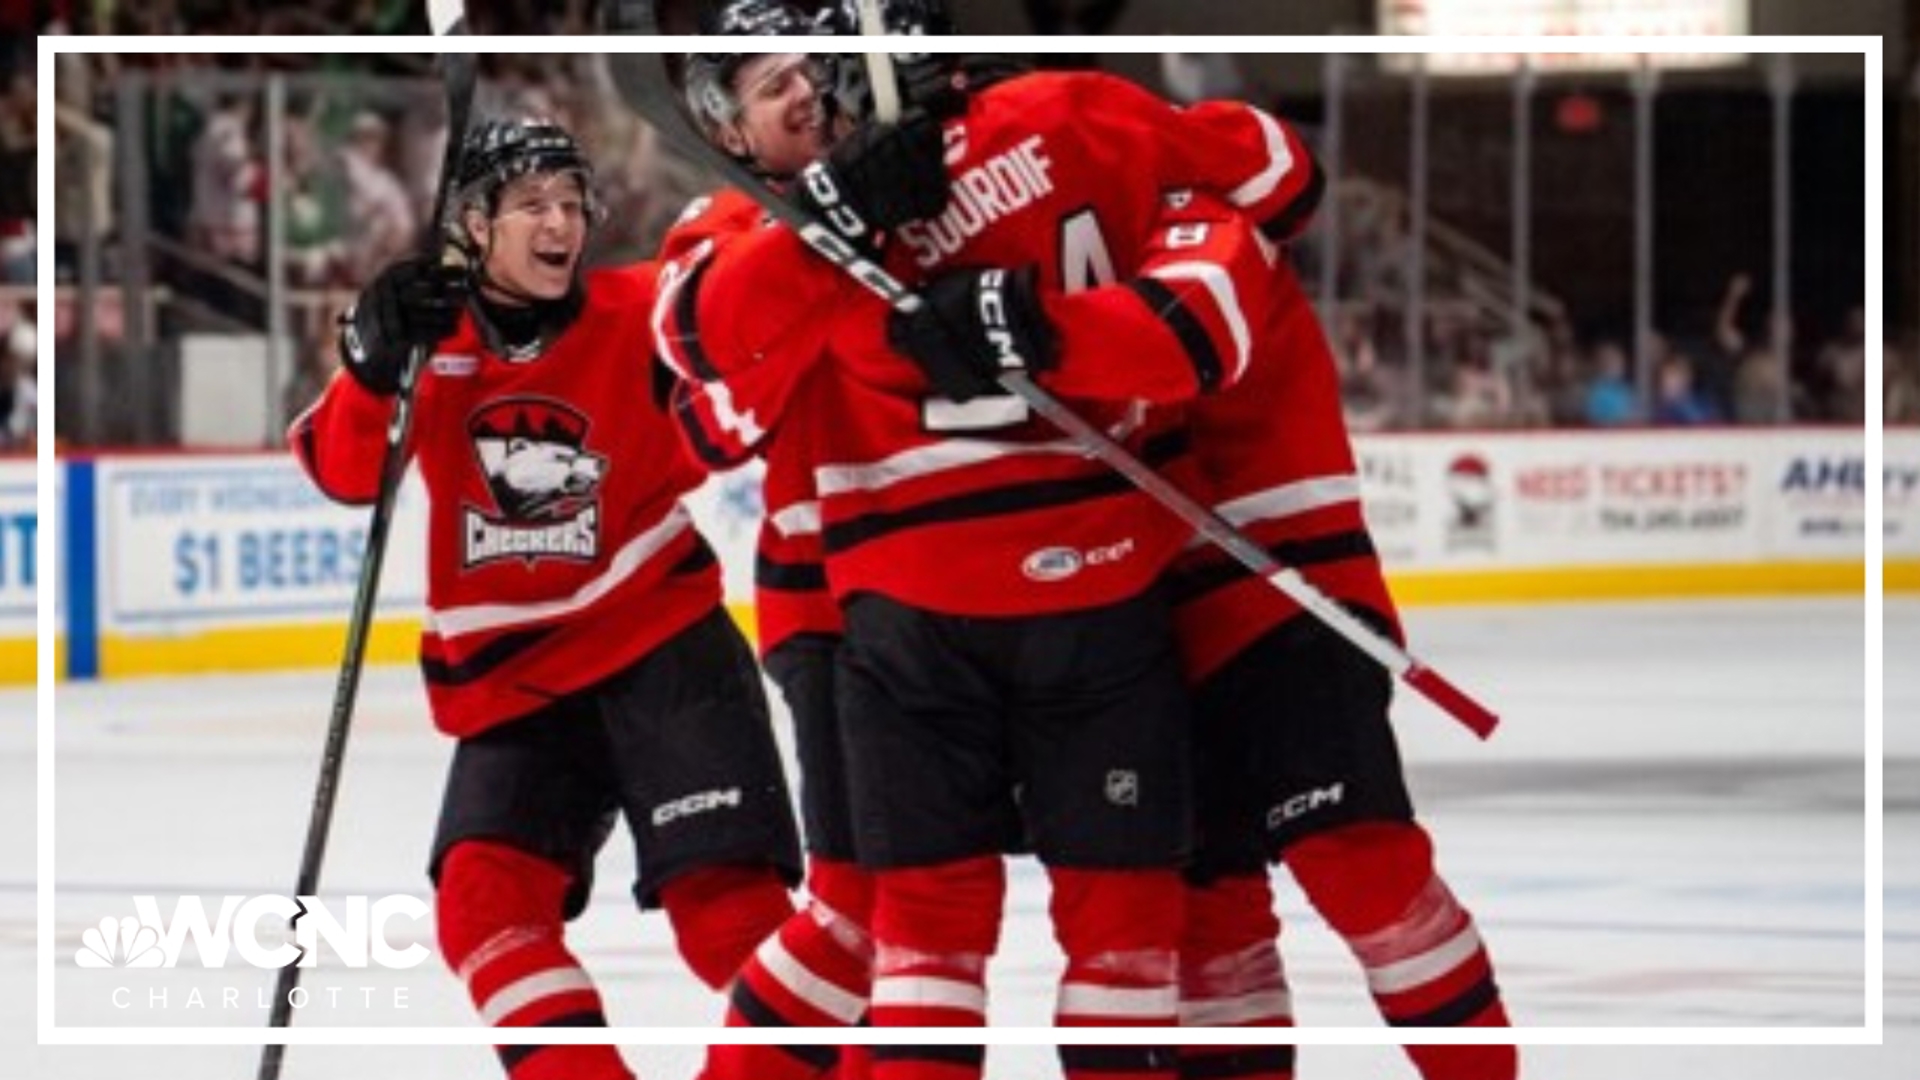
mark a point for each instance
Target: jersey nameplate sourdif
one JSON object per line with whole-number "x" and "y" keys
{"x": 1004, "y": 184}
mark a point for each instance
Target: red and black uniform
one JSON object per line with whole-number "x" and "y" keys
{"x": 941, "y": 506}
{"x": 984, "y": 563}
{"x": 557, "y": 551}
{"x": 575, "y": 645}
{"x": 1295, "y": 751}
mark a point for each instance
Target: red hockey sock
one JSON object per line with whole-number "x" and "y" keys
{"x": 933, "y": 929}
{"x": 816, "y": 971}
{"x": 1230, "y": 970}
{"x": 1120, "y": 930}
{"x": 720, "y": 914}
{"x": 856, "y": 1063}
{"x": 498, "y": 913}
{"x": 1424, "y": 961}
{"x": 1231, "y": 976}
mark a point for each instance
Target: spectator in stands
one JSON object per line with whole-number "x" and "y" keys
{"x": 1900, "y": 403}
{"x": 19, "y": 396}
{"x": 1560, "y": 375}
{"x": 83, "y": 147}
{"x": 227, "y": 184}
{"x": 1762, "y": 389}
{"x": 313, "y": 190}
{"x": 1372, "y": 395}
{"x": 1610, "y": 397}
{"x": 1676, "y": 401}
{"x": 18, "y": 106}
{"x": 381, "y": 225}
{"x": 1720, "y": 359}
{"x": 1477, "y": 394}
{"x": 1841, "y": 369}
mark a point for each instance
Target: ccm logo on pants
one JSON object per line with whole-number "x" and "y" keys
{"x": 698, "y": 803}
{"x": 1305, "y": 803}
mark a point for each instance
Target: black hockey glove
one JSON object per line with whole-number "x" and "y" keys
{"x": 975, "y": 326}
{"x": 879, "y": 177}
{"x": 413, "y": 302}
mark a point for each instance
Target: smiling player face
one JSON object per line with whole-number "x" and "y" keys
{"x": 782, "y": 124}
{"x": 534, "y": 240}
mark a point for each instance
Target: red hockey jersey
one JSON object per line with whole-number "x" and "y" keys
{"x": 982, "y": 509}
{"x": 1275, "y": 452}
{"x": 789, "y": 573}
{"x": 558, "y": 550}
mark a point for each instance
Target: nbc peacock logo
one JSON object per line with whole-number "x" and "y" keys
{"x": 120, "y": 943}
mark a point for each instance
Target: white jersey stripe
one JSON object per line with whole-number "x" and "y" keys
{"x": 797, "y": 519}
{"x": 1292, "y": 498}
{"x": 830, "y": 480}
{"x": 1225, "y": 297}
{"x": 475, "y": 618}
{"x": 521, "y": 993}
{"x": 1280, "y": 163}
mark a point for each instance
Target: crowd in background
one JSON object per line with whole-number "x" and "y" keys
{"x": 18, "y": 336}
{"x": 359, "y": 165}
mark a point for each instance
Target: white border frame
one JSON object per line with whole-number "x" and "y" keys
{"x": 1870, "y": 1033}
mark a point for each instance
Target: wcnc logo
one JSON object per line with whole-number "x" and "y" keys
{"x": 357, "y": 936}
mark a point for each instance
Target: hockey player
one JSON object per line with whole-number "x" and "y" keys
{"x": 574, "y": 641}
{"x": 965, "y": 525}
{"x": 1295, "y": 751}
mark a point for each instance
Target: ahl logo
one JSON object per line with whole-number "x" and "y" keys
{"x": 1123, "y": 787}
{"x": 1061, "y": 563}
{"x": 126, "y": 942}
{"x": 1051, "y": 564}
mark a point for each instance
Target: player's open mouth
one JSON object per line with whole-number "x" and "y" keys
{"x": 556, "y": 259}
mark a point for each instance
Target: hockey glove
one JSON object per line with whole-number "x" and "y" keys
{"x": 414, "y": 302}
{"x": 879, "y": 177}
{"x": 975, "y": 326}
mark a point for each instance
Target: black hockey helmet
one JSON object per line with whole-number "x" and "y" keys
{"x": 706, "y": 79}
{"x": 896, "y": 16}
{"x": 497, "y": 152}
{"x": 921, "y": 75}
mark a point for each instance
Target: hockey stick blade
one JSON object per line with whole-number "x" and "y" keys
{"x": 641, "y": 81}
{"x": 447, "y": 17}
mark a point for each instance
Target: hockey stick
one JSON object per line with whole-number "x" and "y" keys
{"x": 457, "y": 73}
{"x": 886, "y": 88}
{"x": 643, "y": 84}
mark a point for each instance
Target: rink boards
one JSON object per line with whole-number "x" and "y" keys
{"x": 177, "y": 563}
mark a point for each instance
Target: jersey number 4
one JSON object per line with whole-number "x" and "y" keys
{"x": 1085, "y": 263}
